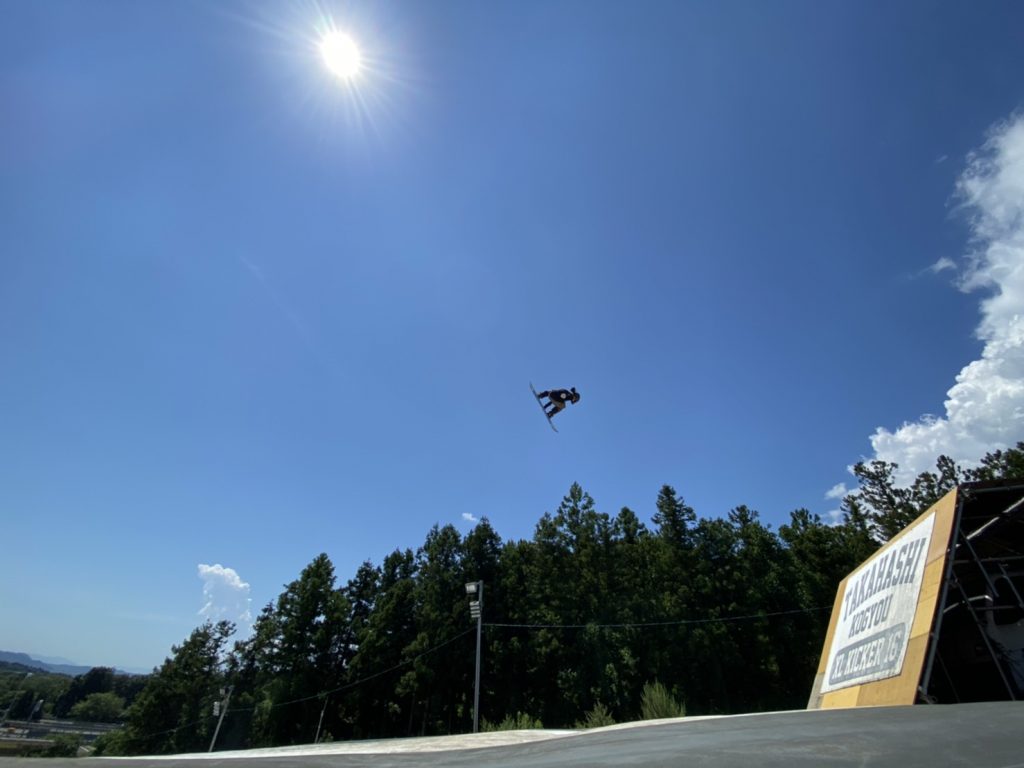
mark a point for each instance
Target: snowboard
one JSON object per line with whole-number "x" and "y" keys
{"x": 541, "y": 404}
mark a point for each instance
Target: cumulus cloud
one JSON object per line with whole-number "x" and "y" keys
{"x": 225, "y": 595}
{"x": 469, "y": 518}
{"x": 837, "y": 491}
{"x": 984, "y": 409}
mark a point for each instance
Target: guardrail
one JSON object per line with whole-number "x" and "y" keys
{"x": 21, "y": 730}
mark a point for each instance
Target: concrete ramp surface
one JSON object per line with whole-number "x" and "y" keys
{"x": 984, "y": 735}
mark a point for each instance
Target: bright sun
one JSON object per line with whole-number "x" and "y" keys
{"x": 341, "y": 55}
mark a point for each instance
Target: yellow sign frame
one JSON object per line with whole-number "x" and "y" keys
{"x": 902, "y": 687}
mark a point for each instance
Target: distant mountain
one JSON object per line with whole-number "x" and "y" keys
{"x": 28, "y": 661}
{"x": 18, "y": 662}
{"x": 55, "y": 660}
{"x": 54, "y": 665}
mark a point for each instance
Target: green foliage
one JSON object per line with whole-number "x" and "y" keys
{"x": 22, "y": 688}
{"x": 597, "y": 717}
{"x": 1000, "y": 465}
{"x": 19, "y": 704}
{"x": 96, "y": 680}
{"x": 520, "y": 721}
{"x": 99, "y": 708}
{"x": 657, "y": 702}
{"x": 299, "y": 648}
{"x": 64, "y": 745}
{"x": 675, "y": 520}
{"x": 577, "y": 619}
{"x": 887, "y": 508}
{"x": 173, "y": 713}
{"x": 113, "y": 744}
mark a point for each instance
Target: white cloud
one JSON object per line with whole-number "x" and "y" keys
{"x": 837, "y": 491}
{"x": 469, "y": 518}
{"x": 984, "y": 409}
{"x": 225, "y": 596}
{"x": 942, "y": 265}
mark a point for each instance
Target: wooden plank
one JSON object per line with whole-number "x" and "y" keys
{"x": 901, "y": 689}
{"x": 845, "y": 697}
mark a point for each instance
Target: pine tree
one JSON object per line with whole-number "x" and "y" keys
{"x": 173, "y": 713}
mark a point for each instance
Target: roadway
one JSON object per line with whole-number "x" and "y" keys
{"x": 986, "y": 735}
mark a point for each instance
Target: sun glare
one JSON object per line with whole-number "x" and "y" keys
{"x": 341, "y": 54}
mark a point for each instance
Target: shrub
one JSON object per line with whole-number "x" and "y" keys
{"x": 111, "y": 744}
{"x": 518, "y": 722}
{"x": 99, "y": 707}
{"x": 656, "y": 702}
{"x": 64, "y": 745}
{"x": 598, "y": 717}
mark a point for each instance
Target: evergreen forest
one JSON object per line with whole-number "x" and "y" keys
{"x": 581, "y": 625}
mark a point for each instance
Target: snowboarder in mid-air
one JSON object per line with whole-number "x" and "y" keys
{"x": 558, "y": 399}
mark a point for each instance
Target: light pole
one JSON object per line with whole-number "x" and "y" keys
{"x": 475, "y": 590}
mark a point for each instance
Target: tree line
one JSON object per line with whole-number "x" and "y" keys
{"x": 100, "y": 695}
{"x": 585, "y": 623}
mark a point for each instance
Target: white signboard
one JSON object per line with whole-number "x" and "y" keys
{"x": 877, "y": 611}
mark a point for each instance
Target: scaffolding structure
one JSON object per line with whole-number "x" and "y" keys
{"x": 976, "y": 648}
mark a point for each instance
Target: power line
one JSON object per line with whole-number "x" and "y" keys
{"x": 721, "y": 619}
{"x": 362, "y": 680}
{"x": 321, "y": 694}
{"x": 439, "y": 646}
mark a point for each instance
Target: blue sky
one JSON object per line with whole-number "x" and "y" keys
{"x": 250, "y": 313}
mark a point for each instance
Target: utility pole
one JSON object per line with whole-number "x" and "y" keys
{"x": 221, "y": 709}
{"x": 316, "y": 739}
{"x": 475, "y": 589}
